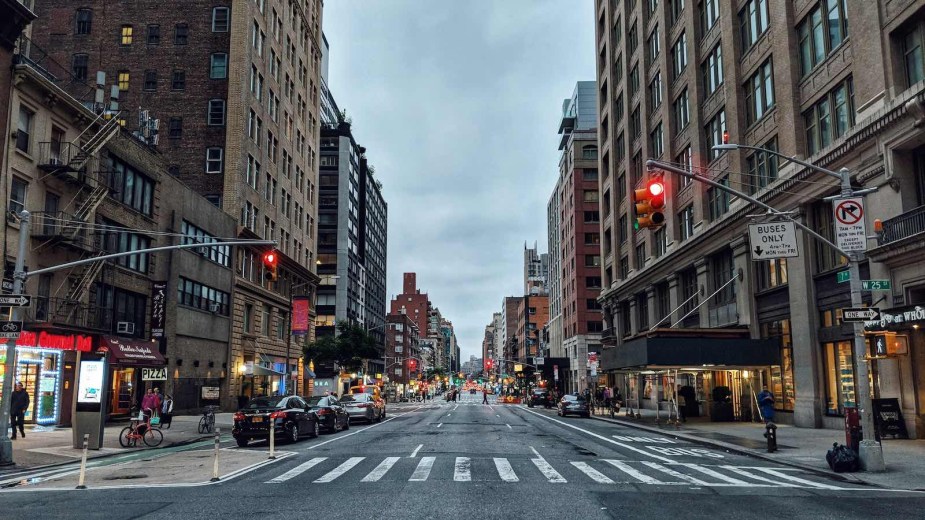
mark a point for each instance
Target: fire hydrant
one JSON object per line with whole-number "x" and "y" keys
{"x": 770, "y": 433}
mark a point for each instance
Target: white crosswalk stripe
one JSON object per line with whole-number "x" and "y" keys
{"x": 340, "y": 470}
{"x": 675, "y": 474}
{"x": 547, "y": 470}
{"x": 595, "y": 475}
{"x": 629, "y": 470}
{"x": 298, "y": 470}
{"x": 381, "y": 469}
{"x": 505, "y": 471}
{"x": 791, "y": 478}
{"x": 717, "y": 475}
{"x": 423, "y": 470}
{"x": 462, "y": 471}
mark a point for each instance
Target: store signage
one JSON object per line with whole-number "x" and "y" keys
{"x": 555, "y": 372}
{"x": 850, "y": 233}
{"x": 154, "y": 374}
{"x": 158, "y": 308}
{"x": 860, "y": 314}
{"x": 898, "y": 317}
{"x": 44, "y": 339}
{"x": 539, "y": 361}
{"x": 888, "y": 418}
{"x": 876, "y": 285}
{"x": 592, "y": 363}
{"x": 16, "y": 300}
{"x": 773, "y": 240}
{"x": 90, "y": 381}
{"x": 10, "y": 329}
{"x": 518, "y": 367}
{"x": 210, "y": 392}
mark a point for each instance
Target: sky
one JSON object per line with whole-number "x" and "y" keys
{"x": 458, "y": 104}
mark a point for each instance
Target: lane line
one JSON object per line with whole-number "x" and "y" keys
{"x": 798, "y": 480}
{"x": 415, "y": 452}
{"x": 677, "y": 474}
{"x": 601, "y": 437}
{"x": 455, "y": 407}
{"x": 638, "y": 475}
{"x": 296, "y": 471}
{"x": 505, "y": 471}
{"x": 380, "y": 470}
{"x": 439, "y": 425}
{"x": 509, "y": 426}
{"x": 339, "y": 470}
{"x": 462, "y": 470}
{"x": 595, "y": 475}
{"x": 718, "y": 475}
{"x": 423, "y": 470}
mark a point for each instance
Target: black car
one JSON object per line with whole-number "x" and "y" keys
{"x": 572, "y": 403}
{"x": 290, "y": 417}
{"x": 331, "y": 414}
{"x": 539, "y": 397}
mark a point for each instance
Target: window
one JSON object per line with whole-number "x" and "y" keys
{"x": 122, "y": 306}
{"x": 913, "y": 57}
{"x": 762, "y": 167}
{"x": 131, "y": 187}
{"x": 79, "y": 66}
{"x": 150, "y": 80}
{"x": 619, "y": 149}
{"x": 679, "y": 55}
{"x": 84, "y": 21}
{"x": 589, "y": 152}
{"x": 642, "y": 311}
{"x": 175, "y": 128}
{"x": 625, "y": 322}
{"x": 214, "y": 159}
{"x": 656, "y": 142}
{"x": 591, "y": 196}
{"x": 771, "y": 273}
{"x": 592, "y": 260}
{"x": 686, "y": 160}
{"x": 589, "y": 174}
{"x": 838, "y": 359}
{"x": 216, "y": 116}
{"x": 718, "y": 200}
{"x": 782, "y": 385}
{"x": 660, "y": 242}
{"x": 248, "y": 318}
{"x": 826, "y": 257}
{"x": 715, "y": 129}
{"x": 179, "y": 80}
{"x": 682, "y": 114}
{"x": 624, "y": 267}
{"x": 124, "y": 80}
{"x": 621, "y": 188}
{"x": 675, "y": 8}
{"x": 220, "y": 19}
{"x": 127, "y": 34}
{"x": 713, "y": 70}
{"x": 636, "y": 169}
{"x": 821, "y": 32}
{"x": 200, "y": 296}
{"x": 830, "y": 117}
{"x": 593, "y": 282}
{"x": 181, "y": 34}
{"x": 709, "y": 14}
{"x": 635, "y": 124}
{"x": 640, "y": 253}
{"x": 192, "y": 234}
{"x": 689, "y": 296}
{"x": 634, "y": 80}
{"x": 622, "y": 233}
{"x": 24, "y": 129}
{"x": 652, "y": 4}
{"x": 592, "y": 217}
{"x": 17, "y": 196}
{"x": 633, "y": 39}
{"x": 592, "y": 239}
{"x": 686, "y": 223}
{"x": 252, "y": 174}
{"x": 759, "y": 93}
{"x": 154, "y": 35}
{"x": 721, "y": 270}
{"x": 218, "y": 68}
{"x": 655, "y": 91}
{"x": 123, "y": 242}
{"x": 654, "y": 45}
{"x": 753, "y": 22}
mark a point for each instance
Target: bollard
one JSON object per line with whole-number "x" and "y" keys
{"x": 215, "y": 462}
{"x": 83, "y": 463}
{"x": 273, "y": 438}
{"x": 770, "y": 434}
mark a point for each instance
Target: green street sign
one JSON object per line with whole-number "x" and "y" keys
{"x": 844, "y": 276}
{"x": 876, "y": 285}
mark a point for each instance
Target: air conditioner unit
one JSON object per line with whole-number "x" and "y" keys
{"x": 125, "y": 327}
{"x": 213, "y": 307}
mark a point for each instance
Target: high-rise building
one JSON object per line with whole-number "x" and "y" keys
{"x": 536, "y": 271}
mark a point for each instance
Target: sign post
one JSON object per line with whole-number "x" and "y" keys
{"x": 773, "y": 240}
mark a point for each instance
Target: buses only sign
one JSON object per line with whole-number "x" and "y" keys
{"x": 773, "y": 240}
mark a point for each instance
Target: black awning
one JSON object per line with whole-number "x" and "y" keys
{"x": 691, "y": 352}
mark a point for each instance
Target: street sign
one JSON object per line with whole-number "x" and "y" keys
{"x": 154, "y": 374}
{"x": 7, "y": 285}
{"x": 773, "y": 240}
{"x": 850, "y": 233}
{"x": 876, "y": 285}
{"x": 860, "y": 314}
{"x": 16, "y": 300}
{"x": 10, "y": 329}
{"x": 844, "y": 276}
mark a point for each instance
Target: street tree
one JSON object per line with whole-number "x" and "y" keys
{"x": 349, "y": 348}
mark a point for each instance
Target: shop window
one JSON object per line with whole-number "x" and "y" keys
{"x": 839, "y": 377}
{"x": 771, "y": 273}
{"x": 782, "y": 382}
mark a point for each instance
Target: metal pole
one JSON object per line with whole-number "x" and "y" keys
{"x": 273, "y": 437}
{"x": 215, "y": 462}
{"x": 19, "y": 278}
{"x": 83, "y": 463}
{"x": 289, "y": 346}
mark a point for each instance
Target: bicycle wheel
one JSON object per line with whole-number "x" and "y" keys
{"x": 210, "y": 424}
{"x": 153, "y": 437}
{"x": 126, "y": 440}
{"x": 203, "y": 424}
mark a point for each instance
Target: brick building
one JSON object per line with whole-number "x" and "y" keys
{"x": 402, "y": 346}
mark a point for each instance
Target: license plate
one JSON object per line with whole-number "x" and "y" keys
{"x": 257, "y": 419}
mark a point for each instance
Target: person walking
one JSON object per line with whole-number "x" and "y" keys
{"x": 766, "y": 404}
{"x": 19, "y": 403}
{"x": 484, "y": 396}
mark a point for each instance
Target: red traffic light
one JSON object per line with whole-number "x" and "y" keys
{"x": 269, "y": 258}
{"x": 656, "y": 188}
{"x": 269, "y": 265}
{"x": 412, "y": 364}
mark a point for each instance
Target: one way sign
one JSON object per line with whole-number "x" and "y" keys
{"x": 15, "y": 300}
{"x": 860, "y": 314}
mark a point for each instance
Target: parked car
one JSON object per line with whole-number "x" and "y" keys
{"x": 288, "y": 416}
{"x": 539, "y": 397}
{"x": 363, "y": 407}
{"x": 331, "y": 414}
{"x": 573, "y": 403}
{"x": 372, "y": 390}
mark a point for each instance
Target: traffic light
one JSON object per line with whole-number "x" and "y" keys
{"x": 269, "y": 266}
{"x": 650, "y": 204}
{"x": 412, "y": 365}
{"x": 488, "y": 364}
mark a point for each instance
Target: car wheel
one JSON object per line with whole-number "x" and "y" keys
{"x": 315, "y": 430}
{"x": 294, "y": 433}
{"x": 242, "y": 442}
{"x": 347, "y": 423}
{"x": 334, "y": 428}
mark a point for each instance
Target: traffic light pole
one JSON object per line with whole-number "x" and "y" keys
{"x": 871, "y": 453}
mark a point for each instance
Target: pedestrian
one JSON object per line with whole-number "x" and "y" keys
{"x": 617, "y": 401}
{"x": 484, "y": 396}
{"x": 167, "y": 411}
{"x": 766, "y": 404}
{"x": 682, "y": 404}
{"x": 148, "y": 402}
{"x": 19, "y": 403}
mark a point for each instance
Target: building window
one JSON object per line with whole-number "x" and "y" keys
{"x": 200, "y": 296}
{"x": 175, "y": 128}
{"x": 214, "y": 159}
{"x": 759, "y": 93}
{"x": 838, "y": 359}
{"x": 216, "y": 115}
{"x": 713, "y": 70}
{"x": 17, "y": 197}
{"x": 826, "y": 257}
{"x": 150, "y": 80}
{"x": 656, "y": 142}
{"x": 689, "y": 293}
{"x": 686, "y": 223}
{"x": 633, "y": 39}
{"x": 709, "y": 14}
{"x": 125, "y": 307}
{"x": 635, "y": 124}
{"x": 589, "y": 152}
{"x": 640, "y": 256}
{"x": 24, "y": 129}
{"x": 265, "y": 314}
{"x": 655, "y": 91}
{"x": 218, "y": 68}
{"x": 181, "y": 34}
{"x": 770, "y": 273}
{"x": 124, "y": 80}
{"x": 830, "y": 117}
{"x": 123, "y": 242}
{"x": 622, "y": 232}
{"x": 593, "y": 282}
{"x": 762, "y": 167}
{"x": 913, "y": 57}
{"x": 84, "y": 21}
{"x": 591, "y": 196}
{"x": 715, "y": 130}
{"x": 179, "y": 80}
{"x": 718, "y": 200}
{"x": 821, "y": 32}
{"x": 654, "y": 45}
{"x": 685, "y": 160}
{"x": 592, "y": 217}
{"x": 592, "y": 260}
{"x": 721, "y": 269}
{"x": 621, "y": 188}
{"x": 753, "y": 22}
{"x": 675, "y": 8}
{"x": 682, "y": 113}
{"x": 131, "y": 187}
{"x": 248, "y": 325}
{"x": 79, "y": 66}
{"x": 154, "y": 35}
{"x": 220, "y": 19}
{"x": 634, "y": 80}
{"x": 679, "y": 55}
{"x": 127, "y": 31}
{"x": 642, "y": 311}
{"x": 625, "y": 322}
{"x": 782, "y": 385}
{"x": 659, "y": 242}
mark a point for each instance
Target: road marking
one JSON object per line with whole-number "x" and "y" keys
{"x": 423, "y": 470}
{"x": 741, "y": 471}
{"x": 718, "y": 475}
{"x": 601, "y": 437}
{"x": 676, "y": 474}
{"x": 462, "y": 470}
{"x": 455, "y": 407}
{"x": 505, "y": 471}
{"x": 416, "y": 450}
{"x": 496, "y": 415}
{"x": 298, "y": 470}
{"x": 509, "y": 426}
{"x": 340, "y": 470}
{"x": 380, "y": 470}
{"x": 595, "y": 475}
{"x": 439, "y": 425}
{"x": 361, "y": 430}
{"x": 638, "y": 475}
{"x": 551, "y": 474}
{"x": 535, "y": 452}
{"x": 798, "y": 480}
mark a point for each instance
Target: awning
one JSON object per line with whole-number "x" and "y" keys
{"x": 125, "y": 351}
{"x": 309, "y": 374}
{"x": 260, "y": 370}
{"x": 709, "y": 353}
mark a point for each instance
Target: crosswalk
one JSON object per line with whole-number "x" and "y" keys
{"x": 327, "y": 470}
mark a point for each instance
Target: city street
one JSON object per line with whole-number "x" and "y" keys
{"x": 494, "y": 461}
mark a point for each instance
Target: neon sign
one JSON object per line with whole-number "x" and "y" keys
{"x": 56, "y": 341}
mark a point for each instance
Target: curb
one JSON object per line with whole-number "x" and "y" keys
{"x": 732, "y": 448}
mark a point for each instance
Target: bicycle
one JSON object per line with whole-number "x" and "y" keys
{"x": 207, "y": 423}
{"x": 141, "y": 429}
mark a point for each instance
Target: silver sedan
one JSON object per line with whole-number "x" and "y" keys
{"x": 362, "y": 406}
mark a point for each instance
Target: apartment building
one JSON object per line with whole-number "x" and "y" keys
{"x": 402, "y": 352}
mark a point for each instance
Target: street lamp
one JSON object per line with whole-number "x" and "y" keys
{"x": 871, "y": 454}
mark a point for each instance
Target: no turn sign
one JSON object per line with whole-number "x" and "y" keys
{"x": 850, "y": 232}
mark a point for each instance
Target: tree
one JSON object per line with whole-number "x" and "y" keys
{"x": 349, "y": 348}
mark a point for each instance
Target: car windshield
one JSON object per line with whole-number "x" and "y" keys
{"x": 316, "y": 401}
{"x": 574, "y": 398}
{"x": 347, "y": 398}
{"x": 265, "y": 402}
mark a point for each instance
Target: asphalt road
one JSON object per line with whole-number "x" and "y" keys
{"x": 457, "y": 460}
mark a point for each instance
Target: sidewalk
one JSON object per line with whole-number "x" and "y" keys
{"x": 801, "y": 447}
{"x": 45, "y": 445}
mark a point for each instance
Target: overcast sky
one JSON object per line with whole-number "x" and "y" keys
{"x": 458, "y": 103}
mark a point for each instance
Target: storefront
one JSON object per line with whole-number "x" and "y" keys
{"x": 41, "y": 358}
{"x": 126, "y": 359}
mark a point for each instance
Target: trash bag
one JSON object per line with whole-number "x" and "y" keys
{"x": 842, "y": 459}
